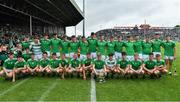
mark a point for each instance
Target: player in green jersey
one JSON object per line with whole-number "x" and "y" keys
{"x": 111, "y": 46}
{"x": 138, "y": 46}
{"x": 19, "y": 67}
{"x": 118, "y": 48}
{"x": 123, "y": 64}
{"x": 156, "y": 45}
{"x": 99, "y": 69}
{"x": 44, "y": 63}
{"x": 54, "y": 64}
{"x": 63, "y": 66}
{"x": 25, "y": 43}
{"x": 8, "y": 66}
{"x": 101, "y": 47}
{"x": 75, "y": 65}
{"x": 55, "y": 45}
{"x": 65, "y": 46}
{"x": 129, "y": 45}
{"x": 169, "y": 53}
{"x": 161, "y": 66}
{"x": 92, "y": 45}
{"x": 87, "y": 65}
{"x": 45, "y": 44}
{"x": 74, "y": 45}
{"x": 150, "y": 66}
{"x": 136, "y": 66}
{"x": 83, "y": 46}
{"x": 147, "y": 49}
{"x": 33, "y": 65}
{"x": 26, "y": 54}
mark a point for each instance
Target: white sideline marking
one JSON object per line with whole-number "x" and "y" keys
{"x": 13, "y": 87}
{"x": 93, "y": 90}
{"x": 44, "y": 95}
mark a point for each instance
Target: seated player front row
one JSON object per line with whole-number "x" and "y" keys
{"x": 98, "y": 67}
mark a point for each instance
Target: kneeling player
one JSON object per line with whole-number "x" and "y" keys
{"x": 63, "y": 66}
{"x": 123, "y": 65}
{"x": 150, "y": 66}
{"x": 99, "y": 69}
{"x": 87, "y": 65}
{"x": 110, "y": 65}
{"x": 8, "y": 66}
{"x": 44, "y": 62}
{"x": 136, "y": 66}
{"x": 54, "y": 65}
{"x": 33, "y": 65}
{"x": 75, "y": 65}
{"x": 161, "y": 66}
{"x": 19, "y": 67}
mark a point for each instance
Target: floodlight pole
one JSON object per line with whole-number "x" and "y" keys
{"x": 75, "y": 30}
{"x": 84, "y": 17}
{"x": 30, "y": 25}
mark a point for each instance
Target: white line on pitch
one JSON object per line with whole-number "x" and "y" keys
{"x": 45, "y": 94}
{"x": 93, "y": 90}
{"x": 13, "y": 87}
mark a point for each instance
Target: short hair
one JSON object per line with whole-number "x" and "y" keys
{"x": 88, "y": 53}
{"x": 128, "y": 36}
{"x": 11, "y": 53}
{"x": 111, "y": 54}
{"x": 124, "y": 53}
{"x": 45, "y": 53}
{"x": 83, "y": 37}
{"x": 92, "y": 33}
{"x": 151, "y": 54}
{"x": 156, "y": 34}
{"x": 73, "y": 36}
{"x": 54, "y": 54}
{"x": 54, "y": 34}
{"x": 32, "y": 53}
{"x": 158, "y": 55}
{"x": 19, "y": 56}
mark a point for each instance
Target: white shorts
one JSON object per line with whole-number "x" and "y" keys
{"x": 9, "y": 70}
{"x": 145, "y": 57}
{"x": 38, "y": 57}
{"x": 169, "y": 57}
{"x": 93, "y": 55}
{"x": 155, "y": 53}
{"x": 118, "y": 55}
{"x": 71, "y": 54}
{"x": 99, "y": 70}
{"x": 130, "y": 58}
{"x": 82, "y": 56}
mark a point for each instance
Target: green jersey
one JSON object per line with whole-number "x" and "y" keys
{"x": 160, "y": 63}
{"x": 44, "y": 62}
{"x": 26, "y": 56}
{"x": 136, "y": 64}
{"x": 55, "y": 44}
{"x": 45, "y": 45}
{"x": 92, "y": 44}
{"x": 156, "y": 45}
{"x": 74, "y": 46}
{"x": 169, "y": 48}
{"x": 119, "y": 46}
{"x": 9, "y": 63}
{"x": 150, "y": 64}
{"x": 54, "y": 63}
{"x": 147, "y": 46}
{"x": 110, "y": 47}
{"x": 20, "y": 64}
{"x": 123, "y": 64}
{"x": 32, "y": 63}
{"x": 101, "y": 46}
{"x": 138, "y": 46}
{"x": 75, "y": 63}
{"x": 86, "y": 62}
{"x": 64, "y": 63}
{"x": 25, "y": 44}
{"x": 99, "y": 64}
{"x": 65, "y": 46}
{"x": 129, "y": 48}
{"x": 83, "y": 47}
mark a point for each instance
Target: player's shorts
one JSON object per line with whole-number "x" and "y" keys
{"x": 145, "y": 57}
{"x": 130, "y": 58}
{"x": 118, "y": 55}
{"x": 155, "y": 53}
{"x": 93, "y": 55}
{"x": 82, "y": 56}
{"x": 169, "y": 57}
{"x": 99, "y": 70}
{"x": 9, "y": 70}
{"x": 38, "y": 57}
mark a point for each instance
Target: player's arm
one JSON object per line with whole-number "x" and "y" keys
{"x": 174, "y": 52}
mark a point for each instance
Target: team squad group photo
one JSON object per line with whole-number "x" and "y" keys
{"x": 91, "y": 57}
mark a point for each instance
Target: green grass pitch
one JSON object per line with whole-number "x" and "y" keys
{"x": 54, "y": 89}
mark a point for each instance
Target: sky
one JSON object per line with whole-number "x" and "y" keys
{"x": 103, "y": 14}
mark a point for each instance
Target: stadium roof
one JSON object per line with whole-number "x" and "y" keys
{"x": 50, "y": 12}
